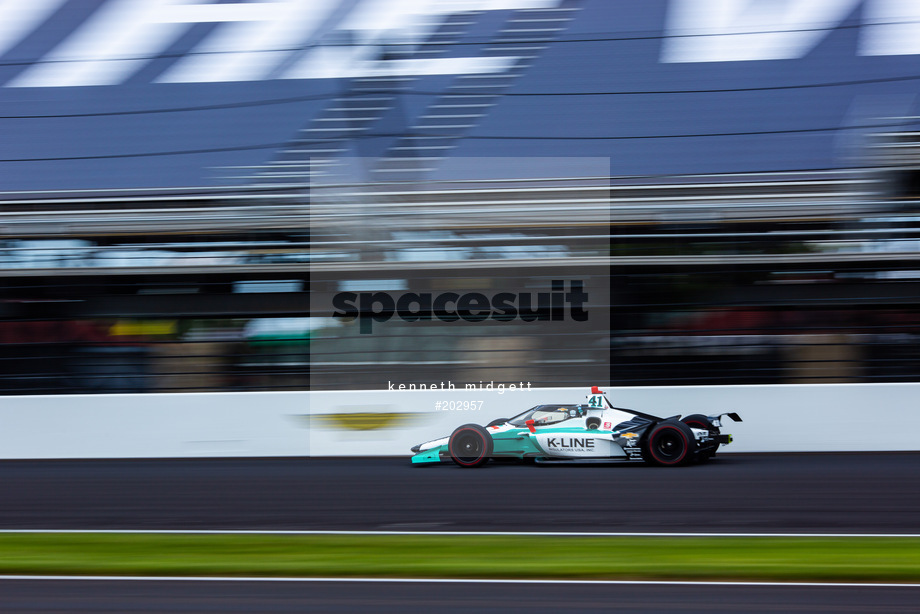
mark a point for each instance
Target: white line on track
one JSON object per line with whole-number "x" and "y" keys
{"x": 456, "y": 581}
{"x": 446, "y": 533}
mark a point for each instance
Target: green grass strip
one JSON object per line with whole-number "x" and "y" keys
{"x": 801, "y": 559}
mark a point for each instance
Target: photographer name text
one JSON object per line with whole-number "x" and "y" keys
{"x": 500, "y": 388}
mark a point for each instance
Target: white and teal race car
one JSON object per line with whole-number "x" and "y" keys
{"x": 594, "y": 431}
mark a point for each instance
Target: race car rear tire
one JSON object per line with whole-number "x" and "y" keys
{"x": 470, "y": 445}
{"x": 699, "y": 421}
{"x": 669, "y": 444}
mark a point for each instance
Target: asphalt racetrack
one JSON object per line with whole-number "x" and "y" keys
{"x": 67, "y": 596}
{"x": 768, "y": 493}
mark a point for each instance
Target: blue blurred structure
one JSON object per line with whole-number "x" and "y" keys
{"x": 174, "y": 93}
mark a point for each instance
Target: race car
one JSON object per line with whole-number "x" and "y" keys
{"x": 593, "y": 431}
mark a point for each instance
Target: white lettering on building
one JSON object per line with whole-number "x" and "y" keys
{"x": 251, "y": 40}
{"x": 746, "y": 30}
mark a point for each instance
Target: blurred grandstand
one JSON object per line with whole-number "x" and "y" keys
{"x": 736, "y": 219}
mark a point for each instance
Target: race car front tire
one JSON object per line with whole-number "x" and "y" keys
{"x": 669, "y": 444}
{"x": 470, "y": 445}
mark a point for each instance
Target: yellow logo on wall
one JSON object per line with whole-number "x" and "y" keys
{"x": 363, "y": 421}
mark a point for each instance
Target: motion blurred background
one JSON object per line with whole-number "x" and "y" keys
{"x": 185, "y": 184}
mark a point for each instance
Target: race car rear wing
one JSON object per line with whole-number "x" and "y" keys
{"x": 717, "y": 418}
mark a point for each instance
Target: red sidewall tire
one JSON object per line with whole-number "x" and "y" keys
{"x": 670, "y": 444}
{"x": 470, "y": 445}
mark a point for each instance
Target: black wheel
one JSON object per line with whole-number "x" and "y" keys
{"x": 669, "y": 444}
{"x": 699, "y": 421}
{"x": 470, "y": 445}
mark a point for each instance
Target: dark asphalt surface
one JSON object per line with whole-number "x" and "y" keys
{"x": 41, "y": 597}
{"x": 747, "y": 493}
